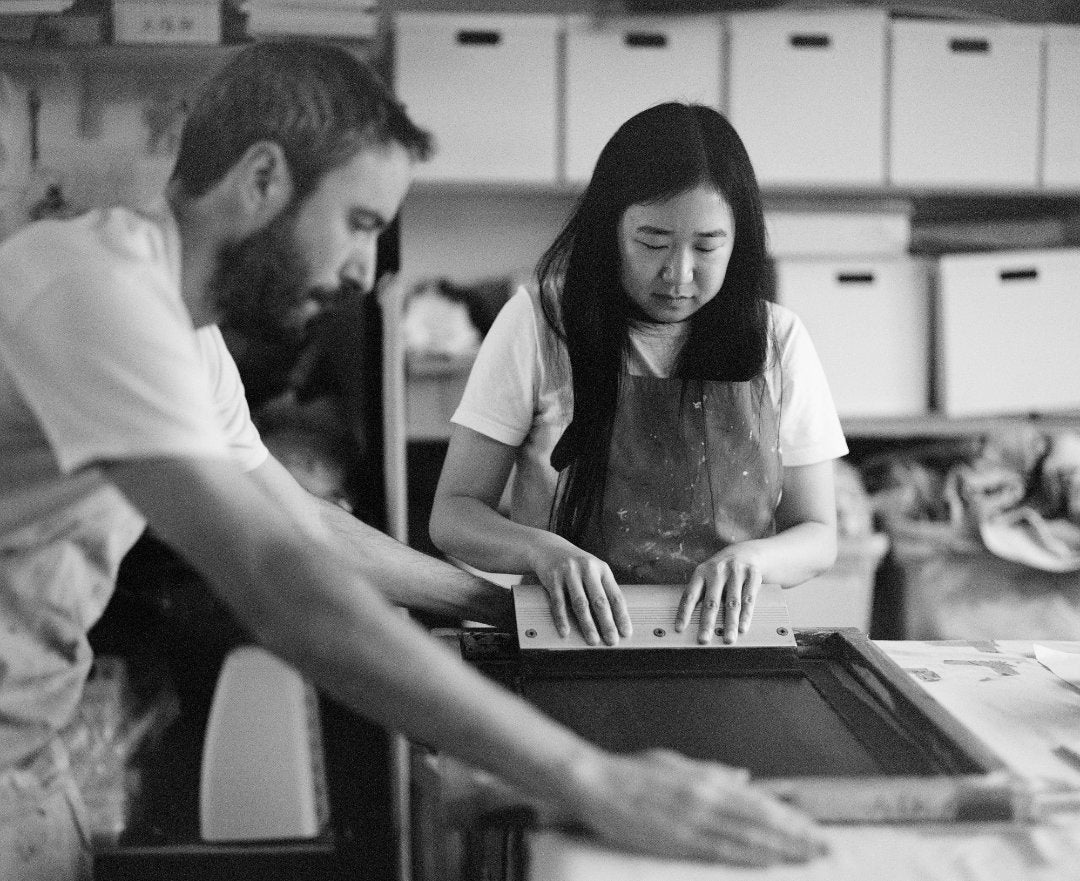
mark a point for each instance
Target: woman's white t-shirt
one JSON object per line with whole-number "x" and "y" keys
{"x": 519, "y": 394}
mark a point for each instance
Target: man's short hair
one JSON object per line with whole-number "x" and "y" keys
{"x": 318, "y": 102}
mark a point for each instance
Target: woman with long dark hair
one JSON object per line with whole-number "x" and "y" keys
{"x": 659, "y": 420}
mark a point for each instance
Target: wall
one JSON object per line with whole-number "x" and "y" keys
{"x": 441, "y": 232}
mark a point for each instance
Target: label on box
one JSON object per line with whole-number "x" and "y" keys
{"x": 166, "y": 23}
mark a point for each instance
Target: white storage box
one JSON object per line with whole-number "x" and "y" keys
{"x": 807, "y": 94}
{"x": 869, "y": 321}
{"x": 965, "y": 102}
{"x": 166, "y": 21}
{"x": 1061, "y": 109}
{"x": 618, "y": 67}
{"x": 486, "y": 87}
{"x": 1009, "y": 332}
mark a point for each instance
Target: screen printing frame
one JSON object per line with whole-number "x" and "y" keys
{"x": 467, "y": 824}
{"x": 959, "y": 778}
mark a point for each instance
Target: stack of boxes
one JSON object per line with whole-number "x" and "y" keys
{"x": 838, "y": 101}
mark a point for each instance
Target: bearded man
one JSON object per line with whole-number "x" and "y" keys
{"x": 121, "y": 407}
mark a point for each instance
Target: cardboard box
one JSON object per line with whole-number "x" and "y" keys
{"x": 1009, "y": 332}
{"x": 807, "y": 94}
{"x": 486, "y": 86}
{"x": 869, "y": 322}
{"x": 617, "y": 67}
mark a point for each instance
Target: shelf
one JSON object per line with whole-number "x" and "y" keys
{"x": 144, "y": 64}
{"x": 143, "y": 57}
{"x": 114, "y": 55}
{"x": 939, "y": 426}
{"x": 820, "y": 197}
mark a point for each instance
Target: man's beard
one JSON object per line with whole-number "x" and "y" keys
{"x": 261, "y": 283}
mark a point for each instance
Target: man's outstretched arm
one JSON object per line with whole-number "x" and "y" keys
{"x": 406, "y": 577}
{"x": 304, "y": 602}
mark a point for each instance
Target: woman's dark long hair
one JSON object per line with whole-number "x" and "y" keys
{"x": 659, "y": 153}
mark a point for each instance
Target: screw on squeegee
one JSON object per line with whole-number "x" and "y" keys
{"x": 530, "y": 633}
{"x": 781, "y": 631}
{"x": 659, "y": 632}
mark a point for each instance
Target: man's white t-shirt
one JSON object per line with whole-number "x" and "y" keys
{"x": 99, "y": 361}
{"x": 519, "y": 394}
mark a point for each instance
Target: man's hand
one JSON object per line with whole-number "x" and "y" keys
{"x": 666, "y": 805}
{"x": 583, "y": 582}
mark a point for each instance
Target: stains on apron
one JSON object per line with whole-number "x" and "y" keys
{"x": 694, "y": 467}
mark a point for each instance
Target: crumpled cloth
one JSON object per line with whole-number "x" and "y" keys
{"x": 1023, "y": 535}
{"x": 999, "y": 498}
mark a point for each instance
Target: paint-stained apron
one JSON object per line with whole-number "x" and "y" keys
{"x": 694, "y": 467}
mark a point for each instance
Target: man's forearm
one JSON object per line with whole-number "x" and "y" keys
{"x": 417, "y": 581}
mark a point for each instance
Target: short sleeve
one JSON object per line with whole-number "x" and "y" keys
{"x": 233, "y": 412}
{"x": 106, "y": 358}
{"x": 810, "y": 430}
{"x": 500, "y": 396}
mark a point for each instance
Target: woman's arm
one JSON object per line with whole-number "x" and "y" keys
{"x": 466, "y": 524}
{"x": 803, "y": 546}
{"x": 805, "y": 540}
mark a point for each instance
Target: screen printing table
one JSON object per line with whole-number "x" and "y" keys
{"x": 1005, "y": 705}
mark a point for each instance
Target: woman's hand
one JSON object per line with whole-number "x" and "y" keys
{"x": 729, "y": 580}
{"x": 583, "y": 582}
{"x": 665, "y": 804}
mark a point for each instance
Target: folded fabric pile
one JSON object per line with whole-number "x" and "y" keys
{"x": 348, "y": 19}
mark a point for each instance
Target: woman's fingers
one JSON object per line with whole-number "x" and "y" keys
{"x": 617, "y": 602}
{"x": 557, "y": 601}
{"x": 751, "y": 586}
{"x": 714, "y": 606}
{"x": 582, "y": 606}
{"x": 689, "y": 601}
